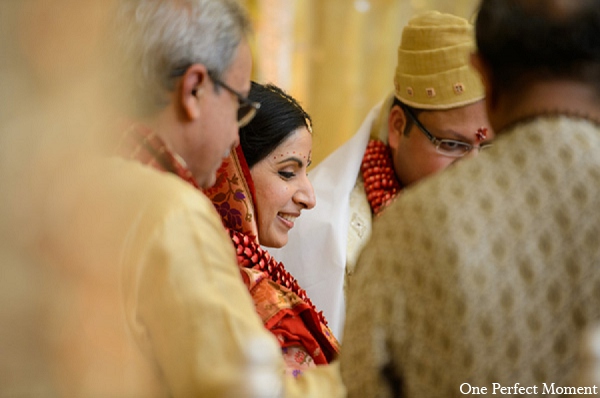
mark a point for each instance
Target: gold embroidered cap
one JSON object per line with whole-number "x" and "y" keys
{"x": 434, "y": 71}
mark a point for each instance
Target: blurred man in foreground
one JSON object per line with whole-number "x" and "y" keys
{"x": 133, "y": 283}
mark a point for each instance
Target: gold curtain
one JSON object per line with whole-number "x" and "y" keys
{"x": 337, "y": 57}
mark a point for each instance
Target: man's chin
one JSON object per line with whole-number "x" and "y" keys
{"x": 207, "y": 181}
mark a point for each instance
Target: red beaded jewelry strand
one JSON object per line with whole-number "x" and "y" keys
{"x": 251, "y": 255}
{"x": 381, "y": 183}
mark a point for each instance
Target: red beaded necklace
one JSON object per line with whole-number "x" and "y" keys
{"x": 381, "y": 183}
{"x": 251, "y": 255}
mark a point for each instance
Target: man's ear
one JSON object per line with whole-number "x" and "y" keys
{"x": 396, "y": 125}
{"x": 191, "y": 89}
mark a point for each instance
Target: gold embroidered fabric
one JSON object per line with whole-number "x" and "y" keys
{"x": 486, "y": 273}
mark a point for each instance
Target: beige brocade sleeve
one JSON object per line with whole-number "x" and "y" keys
{"x": 367, "y": 331}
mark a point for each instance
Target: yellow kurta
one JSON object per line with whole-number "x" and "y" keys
{"x": 485, "y": 273}
{"x": 159, "y": 305}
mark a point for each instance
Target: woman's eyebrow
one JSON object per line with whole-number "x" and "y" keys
{"x": 293, "y": 159}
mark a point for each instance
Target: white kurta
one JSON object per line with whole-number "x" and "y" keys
{"x": 326, "y": 240}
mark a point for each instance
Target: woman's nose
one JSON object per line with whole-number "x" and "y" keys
{"x": 306, "y": 194}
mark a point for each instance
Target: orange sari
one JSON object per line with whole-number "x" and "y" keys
{"x": 283, "y": 306}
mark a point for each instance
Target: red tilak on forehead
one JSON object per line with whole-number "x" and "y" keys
{"x": 481, "y": 133}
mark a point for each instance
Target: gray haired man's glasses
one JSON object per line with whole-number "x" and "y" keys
{"x": 247, "y": 108}
{"x": 445, "y": 147}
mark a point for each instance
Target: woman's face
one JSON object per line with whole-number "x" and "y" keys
{"x": 282, "y": 188}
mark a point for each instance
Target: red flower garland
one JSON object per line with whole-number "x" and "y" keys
{"x": 251, "y": 255}
{"x": 381, "y": 183}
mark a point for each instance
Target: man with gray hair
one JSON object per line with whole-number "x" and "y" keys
{"x": 189, "y": 63}
{"x": 163, "y": 310}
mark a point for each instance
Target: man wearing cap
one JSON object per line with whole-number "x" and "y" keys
{"x": 434, "y": 117}
{"x": 484, "y": 278}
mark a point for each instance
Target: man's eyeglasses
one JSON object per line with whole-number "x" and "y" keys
{"x": 247, "y": 108}
{"x": 445, "y": 147}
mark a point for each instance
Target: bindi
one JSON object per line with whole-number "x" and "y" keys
{"x": 481, "y": 133}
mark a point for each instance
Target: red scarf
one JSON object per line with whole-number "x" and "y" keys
{"x": 283, "y": 305}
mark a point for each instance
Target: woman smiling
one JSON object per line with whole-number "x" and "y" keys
{"x": 260, "y": 190}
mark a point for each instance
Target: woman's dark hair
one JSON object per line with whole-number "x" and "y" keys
{"x": 279, "y": 116}
{"x": 525, "y": 39}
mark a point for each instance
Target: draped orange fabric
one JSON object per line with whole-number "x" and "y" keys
{"x": 283, "y": 306}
